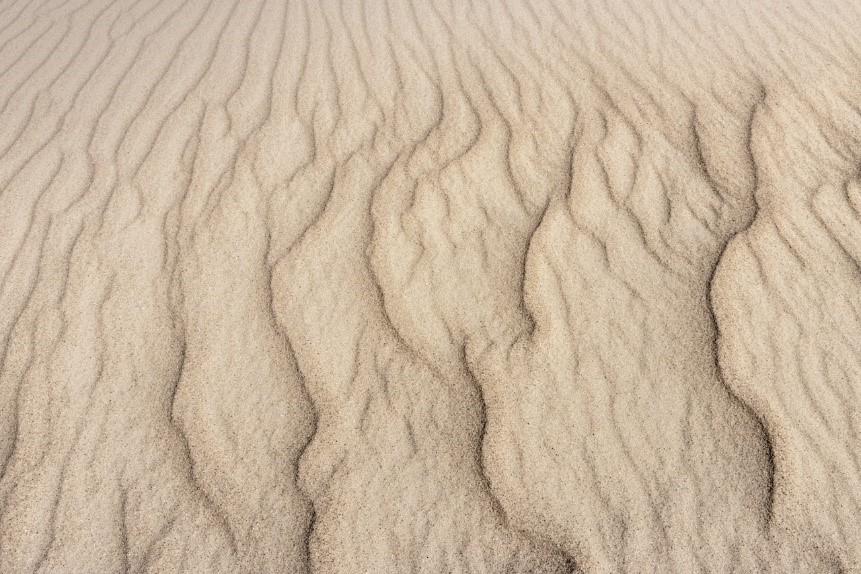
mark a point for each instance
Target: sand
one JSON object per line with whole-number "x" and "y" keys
{"x": 430, "y": 286}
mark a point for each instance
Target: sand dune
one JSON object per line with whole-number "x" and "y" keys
{"x": 430, "y": 286}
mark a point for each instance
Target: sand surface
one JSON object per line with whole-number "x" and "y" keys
{"x": 431, "y": 286}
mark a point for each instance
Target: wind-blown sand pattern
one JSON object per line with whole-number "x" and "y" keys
{"x": 433, "y": 286}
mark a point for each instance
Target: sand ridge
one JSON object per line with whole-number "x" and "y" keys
{"x": 428, "y": 286}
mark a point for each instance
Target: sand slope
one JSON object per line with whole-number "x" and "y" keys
{"x": 425, "y": 286}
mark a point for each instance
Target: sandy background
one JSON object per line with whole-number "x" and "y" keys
{"x": 443, "y": 287}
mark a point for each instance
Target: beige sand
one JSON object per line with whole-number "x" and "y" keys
{"x": 443, "y": 286}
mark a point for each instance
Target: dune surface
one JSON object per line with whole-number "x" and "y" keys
{"x": 430, "y": 286}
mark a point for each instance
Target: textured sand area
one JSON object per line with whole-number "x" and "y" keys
{"x": 431, "y": 286}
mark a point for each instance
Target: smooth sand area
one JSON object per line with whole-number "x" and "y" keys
{"x": 430, "y": 286}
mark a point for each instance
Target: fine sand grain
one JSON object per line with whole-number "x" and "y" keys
{"x": 430, "y": 286}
